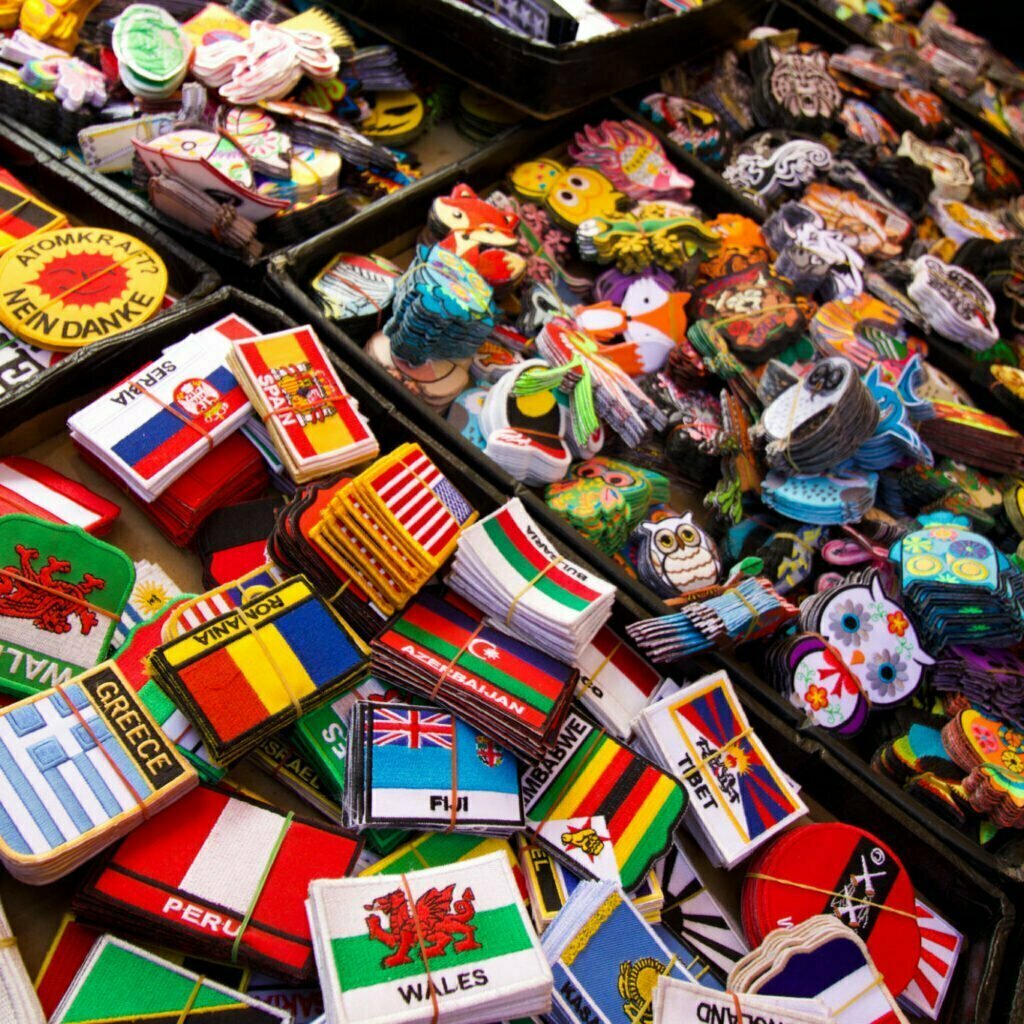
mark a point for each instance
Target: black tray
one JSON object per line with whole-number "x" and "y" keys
{"x": 542, "y": 78}
{"x": 974, "y": 905}
{"x": 234, "y": 266}
{"x": 816, "y": 26}
{"x": 962, "y": 111}
{"x": 189, "y": 278}
{"x": 289, "y": 275}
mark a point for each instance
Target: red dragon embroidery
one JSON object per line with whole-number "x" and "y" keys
{"x": 48, "y": 611}
{"x": 438, "y": 924}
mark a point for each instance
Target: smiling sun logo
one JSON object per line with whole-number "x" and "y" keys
{"x": 87, "y": 279}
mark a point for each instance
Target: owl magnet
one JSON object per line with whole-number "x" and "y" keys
{"x": 820, "y": 421}
{"x": 874, "y": 634}
{"x": 676, "y": 556}
{"x": 819, "y": 682}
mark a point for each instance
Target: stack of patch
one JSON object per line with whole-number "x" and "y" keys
{"x": 600, "y": 807}
{"x": 291, "y": 546}
{"x": 231, "y": 472}
{"x": 312, "y": 421}
{"x": 750, "y": 609}
{"x": 961, "y": 587}
{"x": 508, "y": 568}
{"x": 416, "y": 767}
{"x": 605, "y": 957}
{"x": 62, "y": 595}
{"x": 991, "y": 678}
{"x": 82, "y": 765}
{"x": 450, "y": 944}
{"x": 244, "y": 675}
{"x": 741, "y": 799}
{"x": 440, "y": 647}
{"x": 222, "y": 876}
{"x": 120, "y": 982}
{"x": 154, "y": 427}
{"x": 392, "y": 527}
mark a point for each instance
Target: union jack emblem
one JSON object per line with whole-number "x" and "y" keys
{"x": 413, "y": 729}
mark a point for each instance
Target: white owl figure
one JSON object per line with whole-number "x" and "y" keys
{"x": 877, "y": 640}
{"x": 675, "y": 556}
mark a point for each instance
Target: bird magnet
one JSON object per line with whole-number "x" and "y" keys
{"x": 632, "y": 159}
{"x": 676, "y": 556}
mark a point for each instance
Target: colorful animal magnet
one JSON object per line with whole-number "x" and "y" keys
{"x": 675, "y": 556}
{"x": 571, "y": 195}
{"x": 755, "y": 310}
{"x": 874, "y": 635}
{"x": 650, "y": 320}
{"x": 481, "y": 233}
{"x": 632, "y": 159}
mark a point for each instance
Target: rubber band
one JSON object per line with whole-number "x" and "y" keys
{"x": 415, "y": 851}
{"x": 451, "y": 664}
{"x": 832, "y": 892}
{"x": 600, "y": 668}
{"x": 341, "y": 590}
{"x": 187, "y": 420}
{"x": 557, "y": 560}
{"x": 879, "y": 980}
{"x": 436, "y": 1010}
{"x": 698, "y": 765}
{"x": 755, "y": 622}
{"x": 258, "y": 891}
{"x": 736, "y": 1006}
{"x": 454, "y": 801}
{"x": 8, "y": 941}
{"x": 59, "y": 687}
{"x": 799, "y": 541}
{"x": 191, "y": 1001}
{"x": 649, "y": 998}
{"x": 64, "y": 595}
{"x": 536, "y": 433}
{"x": 282, "y": 679}
{"x": 754, "y": 316}
{"x": 789, "y": 429}
{"x": 91, "y": 278}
